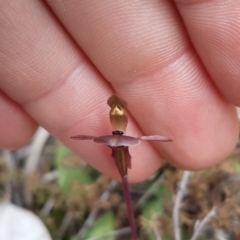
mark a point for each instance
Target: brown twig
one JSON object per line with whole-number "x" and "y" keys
{"x": 177, "y": 205}
{"x": 202, "y": 224}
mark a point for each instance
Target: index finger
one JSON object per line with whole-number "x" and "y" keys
{"x": 144, "y": 51}
{"x": 44, "y": 71}
{"x": 167, "y": 89}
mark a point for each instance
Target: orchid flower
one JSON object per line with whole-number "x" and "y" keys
{"x": 119, "y": 144}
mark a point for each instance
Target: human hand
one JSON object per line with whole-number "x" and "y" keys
{"x": 177, "y": 66}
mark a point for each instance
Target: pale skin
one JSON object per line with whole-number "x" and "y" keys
{"x": 175, "y": 63}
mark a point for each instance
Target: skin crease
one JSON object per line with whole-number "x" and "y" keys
{"x": 175, "y": 63}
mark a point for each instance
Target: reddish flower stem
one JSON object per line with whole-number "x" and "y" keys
{"x": 129, "y": 207}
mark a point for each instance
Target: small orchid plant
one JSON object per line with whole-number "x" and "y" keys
{"x": 119, "y": 144}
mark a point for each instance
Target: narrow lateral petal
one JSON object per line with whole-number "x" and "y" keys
{"x": 156, "y": 138}
{"x": 83, "y": 137}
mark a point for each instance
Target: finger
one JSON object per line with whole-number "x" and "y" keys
{"x": 16, "y": 126}
{"x": 144, "y": 52}
{"x": 45, "y": 71}
{"x": 214, "y": 28}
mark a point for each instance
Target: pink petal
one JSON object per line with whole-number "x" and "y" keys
{"x": 156, "y": 138}
{"x": 117, "y": 140}
{"x": 82, "y": 137}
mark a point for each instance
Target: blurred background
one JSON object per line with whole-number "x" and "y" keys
{"x": 47, "y": 192}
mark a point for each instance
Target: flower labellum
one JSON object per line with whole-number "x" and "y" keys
{"x": 119, "y": 144}
{"x": 118, "y": 115}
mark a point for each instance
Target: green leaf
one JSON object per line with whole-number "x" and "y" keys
{"x": 103, "y": 225}
{"x": 66, "y": 175}
{"x": 73, "y": 238}
{"x": 155, "y": 205}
